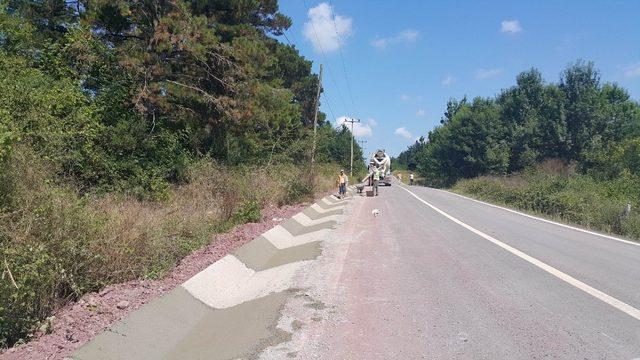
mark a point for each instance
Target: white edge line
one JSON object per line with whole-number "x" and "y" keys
{"x": 542, "y": 219}
{"x": 622, "y": 306}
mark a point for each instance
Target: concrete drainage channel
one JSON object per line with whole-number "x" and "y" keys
{"x": 229, "y": 310}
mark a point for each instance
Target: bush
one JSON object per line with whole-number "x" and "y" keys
{"x": 560, "y": 193}
{"x": 248, "y": 212}
{"x": 299, "y": 189}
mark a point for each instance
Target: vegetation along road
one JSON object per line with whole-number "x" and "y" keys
{"x": 432, "y": 275}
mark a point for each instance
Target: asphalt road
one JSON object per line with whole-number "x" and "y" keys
{"x": 438, "y": 276}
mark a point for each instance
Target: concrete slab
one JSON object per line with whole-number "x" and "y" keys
{"x": 229, "y": 282}
{"x": 331, "y": 199}
{"x": 178, "y": 326}
{"x": 282, "y": 239}
{"x": 327, "y": 205}
{"x": 305, "y": 220}
{"x": 320, "y": 210}
{"x": 260, "y": 254}
{"x": 317, "y": 215}
{"x": 297, "y": 229}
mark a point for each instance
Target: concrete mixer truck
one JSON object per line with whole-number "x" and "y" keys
{"x": 382, "y": 162}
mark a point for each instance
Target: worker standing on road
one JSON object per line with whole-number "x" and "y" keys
{"x": 342, "y": 184}
{"x": 376, "y": 180}
{"x": 411, "y": 179}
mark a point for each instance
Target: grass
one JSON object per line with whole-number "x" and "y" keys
{"x": 557, "y": 191}
{"x": 56, "y": 245}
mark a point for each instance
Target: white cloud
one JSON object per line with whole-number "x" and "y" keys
{"x": 359, "y": 129}
{"x": 487, "y": 73}
{"x": 632, "y": 70}
{"x": 380, "y": 43}
{"x": 402, "y": 131}
{"x": 406, "y": 36}
{"x": 511, "y": 26}
{"x": 321, "y": 30}
{"x": 448, "y": 80}
{"x": 409, "y": 35}
{"x": 421, "y": 112}
{"x": 372, "y": 122}
{"x": 405, "y": 97}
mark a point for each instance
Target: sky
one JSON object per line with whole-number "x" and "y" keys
{"x": 394, "y": 64}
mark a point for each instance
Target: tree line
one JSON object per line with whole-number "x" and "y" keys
{"x": 125, "y": 94}
{"x": 580, "y": 119}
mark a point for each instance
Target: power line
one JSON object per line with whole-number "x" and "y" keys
{"x": 329, "y": 106}
{"x": 322, "y": 52}
{"x": 344, "y": 66}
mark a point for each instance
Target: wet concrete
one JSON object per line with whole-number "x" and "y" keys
{"x": 260, "y": 254}
{"x": 315, "y": 215}
{"x": 330, "y": 206}
{"x": 296, "y": 229}
{"x": 178, "y": 326}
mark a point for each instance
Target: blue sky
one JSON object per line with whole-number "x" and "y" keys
{"x": 405, "y": 59}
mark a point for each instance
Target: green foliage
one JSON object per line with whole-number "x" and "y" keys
{"x": 248, "y": 212}
{"x": 46, "y": 240}
{"x": 7, "y": 138}
{"x": 577, "y": 120}
{"x": 299, "y": 189}
{"x": 125, "y": 95}
{"x": 335, "y": 145}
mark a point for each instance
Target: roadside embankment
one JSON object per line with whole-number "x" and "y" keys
{"x": 611, "y": 206}
{"x": 58, "y": 244}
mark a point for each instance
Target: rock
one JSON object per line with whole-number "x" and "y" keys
{"x": 123, "y": 304}
{"x": 47, "y": 325}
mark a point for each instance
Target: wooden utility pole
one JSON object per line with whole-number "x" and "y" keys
{"x": 315, "y": 120}
{"x": 352, "y": 121}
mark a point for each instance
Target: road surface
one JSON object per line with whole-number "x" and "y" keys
{"x": 413, "y": 283}
{"x": 433, "y": 276}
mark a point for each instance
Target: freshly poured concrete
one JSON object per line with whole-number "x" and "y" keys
{"x": 316, "y": 214}
{"x": 229, "y": 282}
{"x": 296, "y": 228}
{"x": 177, "y": 326}
{"x": 282, "y": 239}
{"x": 260, "y": 254}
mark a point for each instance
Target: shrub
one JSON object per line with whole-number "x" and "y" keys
{"x": 559, "y": 192}
{"x": 248, "y": 212}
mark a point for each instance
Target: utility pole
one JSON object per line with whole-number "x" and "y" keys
{"x": 352, "y": 138}
{"x": 315, "y": 120}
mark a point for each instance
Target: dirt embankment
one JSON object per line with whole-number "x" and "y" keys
{"x": 78, "y": 322}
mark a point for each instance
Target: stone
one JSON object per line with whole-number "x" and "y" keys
{"x": 123, "y": 304}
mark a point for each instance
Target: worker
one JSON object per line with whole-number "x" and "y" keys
{"x": 411, "y": 179}
{"x": 342, "y": 184}
{"x": 376, "y": 180}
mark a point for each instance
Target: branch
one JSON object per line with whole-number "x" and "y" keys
{"x": 8, "y": 271}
